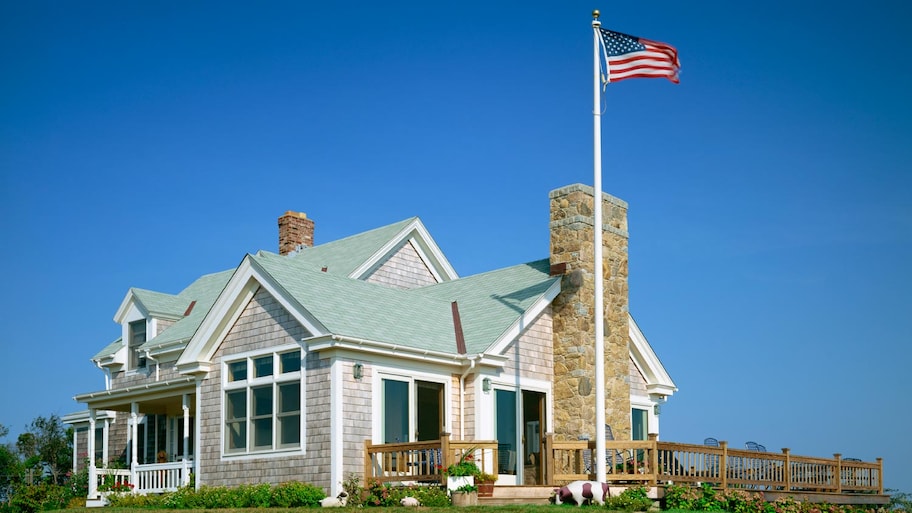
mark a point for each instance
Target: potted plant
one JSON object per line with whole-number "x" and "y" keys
{"x": 465, "y": 495}
{"x": 485, "y": 484}
{"x": 462, "y": 472}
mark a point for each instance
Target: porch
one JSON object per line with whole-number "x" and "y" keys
{"x": 651, "y": 463}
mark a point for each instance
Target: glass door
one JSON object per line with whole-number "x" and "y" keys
{"x": 505, "y": 430}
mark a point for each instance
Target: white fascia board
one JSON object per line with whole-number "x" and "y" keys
{"x": 526, "y": 319}
{"x": 123, "y": 312}
{"x": 657, "y": 379}
{"x": 429, "y": 251}
{"x": 357, "y": 345}
{"x": 240, "y": 289}
{"x": 145, "y": 392}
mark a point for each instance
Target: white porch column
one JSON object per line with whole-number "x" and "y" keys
{"x": 134, "y": 444}
{"x": 90, "y": 443}
{"x": 185, "y": 468}
{"x": 105, "y": 458}
{"x": 75, "y": 453}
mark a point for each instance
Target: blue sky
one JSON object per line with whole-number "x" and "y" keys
{"x": 145, "y": 144}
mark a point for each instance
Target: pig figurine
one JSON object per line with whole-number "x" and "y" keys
{"x": 581, "y": 491}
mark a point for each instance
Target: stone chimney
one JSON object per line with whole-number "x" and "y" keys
{"x": 572, "y": 256}
{"x": 295, "y": 231}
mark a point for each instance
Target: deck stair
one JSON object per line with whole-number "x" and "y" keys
{"x": 518, "y": 495}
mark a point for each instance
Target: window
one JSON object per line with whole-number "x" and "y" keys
{"x": 263, "y": 407}
{"x": 137, "y": 338}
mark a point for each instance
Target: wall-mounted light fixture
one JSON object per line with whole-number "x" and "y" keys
{"x": 358, "y": 371}
{"x": 656, "y": 409}
{"x": 486, "y": 385}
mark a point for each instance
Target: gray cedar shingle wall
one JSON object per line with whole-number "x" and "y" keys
{"x": 356, "y": 412}
{"x": 403, "y": 270}
{"x": 533, "y": 352}
{"x": 262, "y": 325}
{"x": 637, "y": 381}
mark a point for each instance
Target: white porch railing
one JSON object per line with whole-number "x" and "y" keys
{"x": 153, "y": 478}
{"x": 107, "y": 478}
{"x": 161, "y": 477}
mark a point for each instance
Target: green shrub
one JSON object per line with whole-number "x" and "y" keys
{"x": 39, "y": 497}
{"x": 294, "y": 494}
{"x": 632, "y": 499}
{"x": 130, "y": 500}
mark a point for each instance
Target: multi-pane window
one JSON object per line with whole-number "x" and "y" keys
{"x": 263, "y": 403}
{"x": 137, "y": 338}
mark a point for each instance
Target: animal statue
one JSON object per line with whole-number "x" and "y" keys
{"x": 335, "y": 502}
{"x": 409, "y": 502}
{"x": 582, "y": 491}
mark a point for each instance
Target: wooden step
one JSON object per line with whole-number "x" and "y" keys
{"x": 518, "y": 495}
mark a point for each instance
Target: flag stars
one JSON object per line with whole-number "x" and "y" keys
{"x": 619, "y": 44}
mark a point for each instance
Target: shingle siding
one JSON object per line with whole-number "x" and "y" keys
{"x": 403, "y": 270}
{"x": 264, "y": 324}
{"x": 637, "y": 381}
{"x": 532, "y": 352}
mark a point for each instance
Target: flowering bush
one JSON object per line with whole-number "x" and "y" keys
{"x": 465, "y": 466}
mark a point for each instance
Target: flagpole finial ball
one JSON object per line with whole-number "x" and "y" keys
{"x": 596, "y": 14}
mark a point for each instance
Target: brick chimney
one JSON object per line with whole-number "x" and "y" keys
{"x": 295, "y": 231}
{"x": 573, "y": 313}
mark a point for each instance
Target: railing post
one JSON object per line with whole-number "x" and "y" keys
{"x": 549, "y": 458}
{"x": 368, "y": 462}
{"x": 723, "y": 464}
{"x": 788, "y": 469}
{"x": 653, "y": 452}
{"x": 444, "y": 455}
{"x": 838, "y": 457}
{"x": 880, "y": 479}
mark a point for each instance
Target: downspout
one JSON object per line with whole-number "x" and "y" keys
{"x": 462, "y": 396}
{"x": 157, "y": 366}
{"x": 107, "y": 374}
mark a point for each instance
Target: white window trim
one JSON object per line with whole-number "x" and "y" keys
{"x": 250, "y": 382}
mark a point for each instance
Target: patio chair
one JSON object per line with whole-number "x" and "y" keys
{"x": 712, "y": 460}
{"x": 754, "y": 446}
{"x": 618, "y": 457}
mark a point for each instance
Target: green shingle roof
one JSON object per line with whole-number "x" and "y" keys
{"x": 109, "y": 349}
{"x": 420, "y": 318}
{"x": 160, "y": 304}
{"x": 343, "y": 256}
{"x": 204, "y": 291}
{"x": 489, "y": 303}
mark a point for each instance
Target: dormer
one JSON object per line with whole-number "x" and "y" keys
{"x": 142, "y": 315}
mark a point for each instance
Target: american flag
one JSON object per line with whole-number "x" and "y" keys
{"x": 635, "y": 57}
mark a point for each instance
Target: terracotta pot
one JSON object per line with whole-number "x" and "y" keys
{"x": 486, "y": 489}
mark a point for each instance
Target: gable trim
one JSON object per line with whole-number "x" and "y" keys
{"x": 424, "y": 244}
{"x": 526, "y": 319}
{"x": 247, "y": 279}
{"x": 658, "y": 382}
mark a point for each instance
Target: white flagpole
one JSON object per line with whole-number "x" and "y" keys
{"x": 600, "y": 454}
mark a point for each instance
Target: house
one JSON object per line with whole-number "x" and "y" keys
{"x": 281, "y": 368}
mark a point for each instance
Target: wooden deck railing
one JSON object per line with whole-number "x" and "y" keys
{"x": 647, "y": 462}
{"x": 652, "y": 462}
{"x": 424, "y": 461}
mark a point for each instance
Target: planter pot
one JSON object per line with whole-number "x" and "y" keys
{"x": 486, "y": 489}
{"x": 461, "y": 499}
{"x": 454, "y": 482}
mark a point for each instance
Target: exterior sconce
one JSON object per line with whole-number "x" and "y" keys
{"x": 357, "y": 371}
{"x": 656, "y": 409}
{"x": 486, "y": 385}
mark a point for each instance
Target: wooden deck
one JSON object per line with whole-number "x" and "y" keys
{"x": 649, "y": 463}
